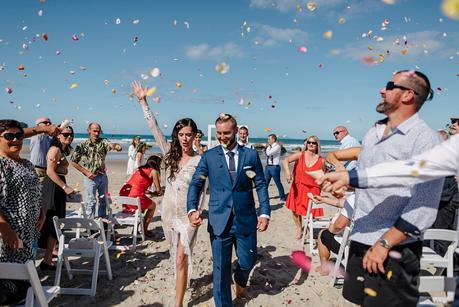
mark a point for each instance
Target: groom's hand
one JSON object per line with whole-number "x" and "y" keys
{"x": 195, "y": 219}
{"x": 262, "y": 224}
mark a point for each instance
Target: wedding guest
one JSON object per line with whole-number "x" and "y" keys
{"x": 454, "y": 127}
{"x": 141, "y": 148}
{"x": 342, "y": 135}
{"x": 89, "y": 159}
{"x": 54, "y": 192}
{"x": 197, "y": 146}
{"x": 139, "y": 186}
{"x": 181, "y": 162}
{"x": 243, "y": 133}
{"x": 131, "y": 156}
{"x": 273, "y": 169}
{"x": 21, "y": 216}
{"x": 306, "y": 161}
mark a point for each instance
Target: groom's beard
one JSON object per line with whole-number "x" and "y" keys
{"x": 228, "y": 144}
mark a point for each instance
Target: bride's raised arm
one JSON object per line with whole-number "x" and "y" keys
{"x": 141, "y": 94}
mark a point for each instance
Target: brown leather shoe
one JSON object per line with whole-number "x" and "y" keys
{"x": 240, "y": 291}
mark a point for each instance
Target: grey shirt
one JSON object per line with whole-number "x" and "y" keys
{"x": 411, "y": 209}
{"x": 39, "y": 145}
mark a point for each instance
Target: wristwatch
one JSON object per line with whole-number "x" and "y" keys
{"x": 385, "y": 243}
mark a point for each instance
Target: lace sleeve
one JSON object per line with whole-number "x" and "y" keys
{"x": 157, "y": 133}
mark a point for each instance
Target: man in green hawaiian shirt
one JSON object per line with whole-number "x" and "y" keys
{"x": 89, "y": 159}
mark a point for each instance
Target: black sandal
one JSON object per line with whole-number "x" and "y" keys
{"x": 47, "y": 267}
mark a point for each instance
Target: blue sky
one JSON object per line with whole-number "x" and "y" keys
{"x": 314, "y": 91}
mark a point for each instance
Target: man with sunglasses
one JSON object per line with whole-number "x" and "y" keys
{"x": 454, "y": 127}
{"x": 341, "y": 134}
{"x": 40, "y": 141}
{"x": 392, "y": 219}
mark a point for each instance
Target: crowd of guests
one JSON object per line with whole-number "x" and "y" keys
{"x": 383, "y": 220}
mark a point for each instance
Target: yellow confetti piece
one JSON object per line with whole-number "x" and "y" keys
{"x": 267, "y": 129}
{"x": 328, "y": 34}
{"x": 178, "y": 84}
{"x": 404, "y": 51}
{"x": 450, "y": 8}
{"x": 389, "y": 275}
{"x": 415, "y": 173}
{"x": 222, "y": 68}
{"x": 381, "y": 58}
{"x": 341, "y": 20}
{"x": 119, "y": 255}
{"x": 74, "y": 85}
{"x": 370, "y": 48}
{"x": 151, "y": 91}
{"x": 422, "y": 163}
{"x": 370, "y": 292}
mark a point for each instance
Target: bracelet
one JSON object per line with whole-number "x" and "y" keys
{"x": 147, "y": 113}
{"x": 64, "y": 186}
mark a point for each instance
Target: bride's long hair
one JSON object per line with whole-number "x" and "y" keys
{"x": 173, "y": 156}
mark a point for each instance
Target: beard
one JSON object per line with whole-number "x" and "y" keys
{"x": 383, "y": 107}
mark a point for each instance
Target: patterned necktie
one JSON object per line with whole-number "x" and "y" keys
{"x": 232, "y": 165}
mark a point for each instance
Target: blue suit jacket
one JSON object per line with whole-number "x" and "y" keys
{"x": 224, "y": 194}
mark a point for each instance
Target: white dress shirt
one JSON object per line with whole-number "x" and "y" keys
{"x": 273, "y": 153}
{"x": 349, "y": 142}
{"x": 439, "y": 162}
{"x": 236, "y": 156}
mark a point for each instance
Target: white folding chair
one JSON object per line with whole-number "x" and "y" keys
{"x": 131, "y": 219}
{"x": 94, "y": 246}
{"x": 342, "y": 256}
{"x": 310, "y": 223}
{"x": 36, "y": 295}
{"x": 430, "y": 258}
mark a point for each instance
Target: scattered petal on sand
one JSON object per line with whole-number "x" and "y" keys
{"x": 151, "y": 91}
{"x": 8, "y": 90}
{"x": 73, "y": 85}
{"x": 302, "y": 49}
{"x": 155, "y": 72}
{"x": 222, "y": 68}
{"x": 311, "y": 6}
{"x": 328, "y": 34}
{"x": 301, "y": 260}
{"x": 450, "y": 8}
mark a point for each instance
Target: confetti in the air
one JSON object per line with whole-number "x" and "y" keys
{"x": 222, "y": 68}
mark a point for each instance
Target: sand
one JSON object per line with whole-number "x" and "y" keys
{"x": 146, "y": 277}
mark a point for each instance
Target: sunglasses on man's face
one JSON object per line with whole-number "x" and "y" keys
{"x": 46, "y": 123}
{"x": 66, "y": 135}
{"x": 392, "y": 85}
{"x": 455, "y": 121}
{"x": 11, "y": 136}
{"x": 312, "y": 143}
{"x": 336, "y": 133}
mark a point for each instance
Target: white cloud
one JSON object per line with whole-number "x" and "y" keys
{"x": 269, "y": 36}
{"x": 205, "y": 51}
{"x": 419, "y": 44}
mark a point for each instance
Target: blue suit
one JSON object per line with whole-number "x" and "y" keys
{"x": 232, "y": 215}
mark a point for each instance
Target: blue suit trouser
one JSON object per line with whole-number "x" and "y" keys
{"x": 222, "y": 248}
{"x": 273, "y": 171}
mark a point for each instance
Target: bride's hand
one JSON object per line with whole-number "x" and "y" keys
{"x": 139, "y": 91}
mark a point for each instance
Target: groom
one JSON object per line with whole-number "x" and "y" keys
{"x": 232, "y": 170}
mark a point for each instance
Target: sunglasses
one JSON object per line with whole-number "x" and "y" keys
{"x": 336, "y": 133}
{"x": 312, "y": 143}
{"x": 391, "y": 85}
{"x": 454, "y": 121}
{"x": 47, "y": 123}
{"x": 11, "y": 136}
{"x": 66, "y": 135}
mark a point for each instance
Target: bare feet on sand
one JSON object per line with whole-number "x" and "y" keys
{"x": 322, "y": 271}
{"x": 299, "y": 233}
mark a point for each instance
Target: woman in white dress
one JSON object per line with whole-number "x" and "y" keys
{"x": 132, "y": 151}
{"x": 141, "y": 148}
{"x": 181, "y": 162}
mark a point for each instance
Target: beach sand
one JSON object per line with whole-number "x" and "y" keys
{"x": 146, "y": 277}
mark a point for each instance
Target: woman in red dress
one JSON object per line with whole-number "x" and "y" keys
{"x": 306, "y": 161}
{"x": 138, "y": 186}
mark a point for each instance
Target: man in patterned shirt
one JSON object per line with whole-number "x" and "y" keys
{"x": 89, "y": 159}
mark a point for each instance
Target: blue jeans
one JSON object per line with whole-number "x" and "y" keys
{"x": 273, "y": 171}
{"x": 99, "y": 185}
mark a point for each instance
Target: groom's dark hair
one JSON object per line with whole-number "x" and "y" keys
{"x": 223, "y": 118}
